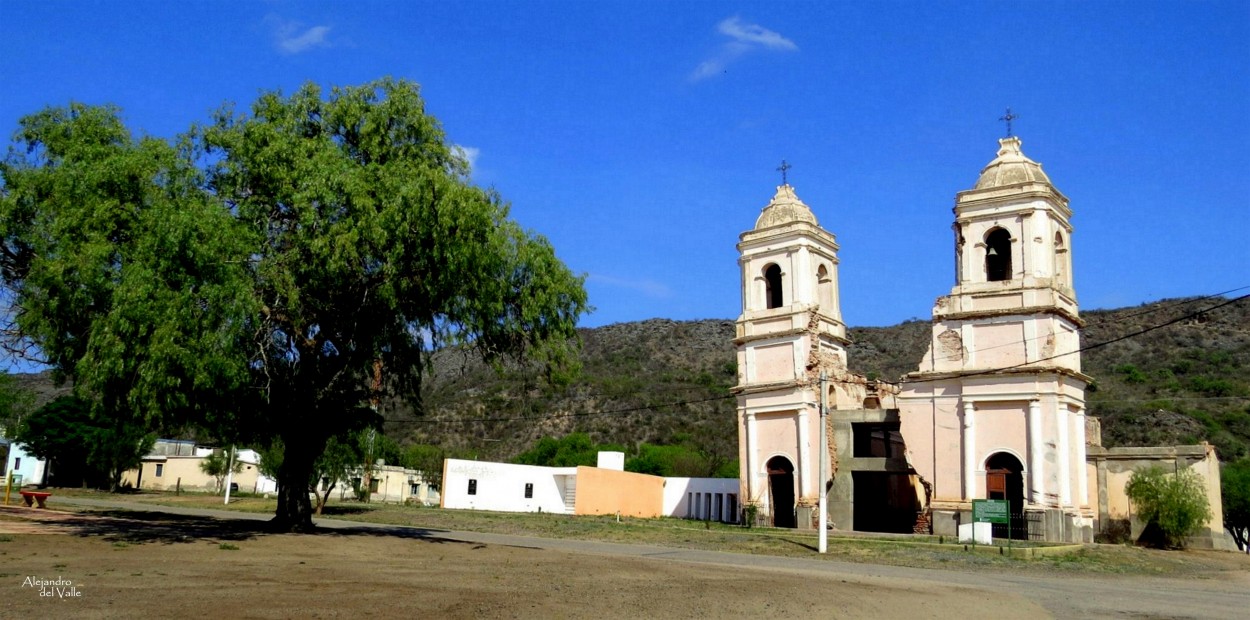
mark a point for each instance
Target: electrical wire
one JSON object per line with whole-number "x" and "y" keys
{"x": 658, "y": 408}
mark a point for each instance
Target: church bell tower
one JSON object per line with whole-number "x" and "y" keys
{"x": 997, "y": 408}
{"x": 789, "y": 331}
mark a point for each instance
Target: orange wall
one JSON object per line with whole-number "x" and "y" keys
{"x": 607, "y": 492}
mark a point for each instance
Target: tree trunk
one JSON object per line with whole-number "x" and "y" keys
{"x": 322, "y": 498}
{"x": 295, "y": 510}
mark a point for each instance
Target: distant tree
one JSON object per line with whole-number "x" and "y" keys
{"x": 569, "y": 451}
{"x": 218, "y": 465}
{"x": 1235, "y": 489}
{"x": 270, "y": 459}
{"x": 341, "y": 458}
{"x": 1173, "y": 506}
{"x": 428, "y": 460}
{"x": 681, "y": 460}
{"x": 81, "y": 444}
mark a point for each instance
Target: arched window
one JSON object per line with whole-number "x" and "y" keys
{"x": 998, "y": 255}
{"x": 772, "y": 286}
{"x": 824, "y": 290}
{"x": 1061, "y": 258}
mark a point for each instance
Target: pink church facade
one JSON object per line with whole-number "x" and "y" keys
{"x": 996, "y": 408}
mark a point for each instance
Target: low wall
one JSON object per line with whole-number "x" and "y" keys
{"x": 607, "y": 492}
{"x": 702, "y": 498}
{"x": 480, "y": 485}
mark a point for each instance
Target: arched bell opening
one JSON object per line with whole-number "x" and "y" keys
{"x": 772, "y": 286}
{"x": 998, "y": 255}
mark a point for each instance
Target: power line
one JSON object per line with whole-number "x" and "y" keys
{"x": 575, "y": 414}
{"x": 1166, "y": 398}
{"x": 1158, "y": 308}
{"x": 1165, "y": 306}
{"x": 1085, "y": 348}
{"x": 657, "y": 408}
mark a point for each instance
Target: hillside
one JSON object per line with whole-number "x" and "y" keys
{"x": 661, "y": 381}
{"x": 653, "y": 381}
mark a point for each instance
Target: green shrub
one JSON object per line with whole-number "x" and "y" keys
{"x": 1173, "y": 506}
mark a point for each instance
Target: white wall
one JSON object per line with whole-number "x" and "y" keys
{"x": 501, "y": 486}
{"x": 679, "y": 492}
{"x": 32, "y": 470}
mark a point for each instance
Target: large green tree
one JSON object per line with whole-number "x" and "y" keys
{"x": 112, "y": 270}
{"x": 252, "y": 276}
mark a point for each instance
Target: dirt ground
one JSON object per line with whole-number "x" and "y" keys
{"x": 150, "y": 565}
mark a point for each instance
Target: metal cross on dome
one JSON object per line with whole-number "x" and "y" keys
{"x": 1008, "y": 118}
{"x": 784, "y": 167}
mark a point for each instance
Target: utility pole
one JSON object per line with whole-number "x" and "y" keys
{"x": 229, "y": 474}
{"x": 824, "y": 469}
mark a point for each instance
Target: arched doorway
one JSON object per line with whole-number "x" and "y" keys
{"x": 1004, "y": 479}
{"x": 781, "y": 490}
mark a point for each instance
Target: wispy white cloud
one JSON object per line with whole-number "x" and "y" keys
{"x": 744, "y": 38}
{"x": 755, "y": 35}
{"x": 650, "y": 288}
{"x": 292, "y": 37}
{"x": 469, "y": 153}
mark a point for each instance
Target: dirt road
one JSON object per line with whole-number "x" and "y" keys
{"x": 150, "y": 564}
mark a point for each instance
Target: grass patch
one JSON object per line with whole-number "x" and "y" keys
{"x": 228, "y": 547}
{"x": 899, "y": 550}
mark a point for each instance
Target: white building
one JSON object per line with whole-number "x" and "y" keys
{"x": 607, "y": 489}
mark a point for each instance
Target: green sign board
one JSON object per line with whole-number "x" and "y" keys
{"x": 991, "y": 511}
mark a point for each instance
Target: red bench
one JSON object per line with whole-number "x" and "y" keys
{"x": 30, "y": 497}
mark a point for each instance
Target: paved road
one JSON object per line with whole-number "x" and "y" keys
{"x": 1065, "y": 596}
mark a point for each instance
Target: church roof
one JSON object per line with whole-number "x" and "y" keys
{"x": 785, "y": 208}
{"x": 1011, "y": 167}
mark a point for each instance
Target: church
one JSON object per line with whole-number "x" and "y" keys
{"x": 994, "y": 410}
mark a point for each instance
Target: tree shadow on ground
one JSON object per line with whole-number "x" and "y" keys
{"x": 329, "y": 511}
{"x": 142, "y": 526}
{"x": 797, "y": 543}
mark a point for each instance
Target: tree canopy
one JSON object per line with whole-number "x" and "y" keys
{"x": 269, "y": 274}
{"x": 1235, "y": 489}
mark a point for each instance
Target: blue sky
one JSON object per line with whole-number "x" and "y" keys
{"x": 642, "y": 137}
